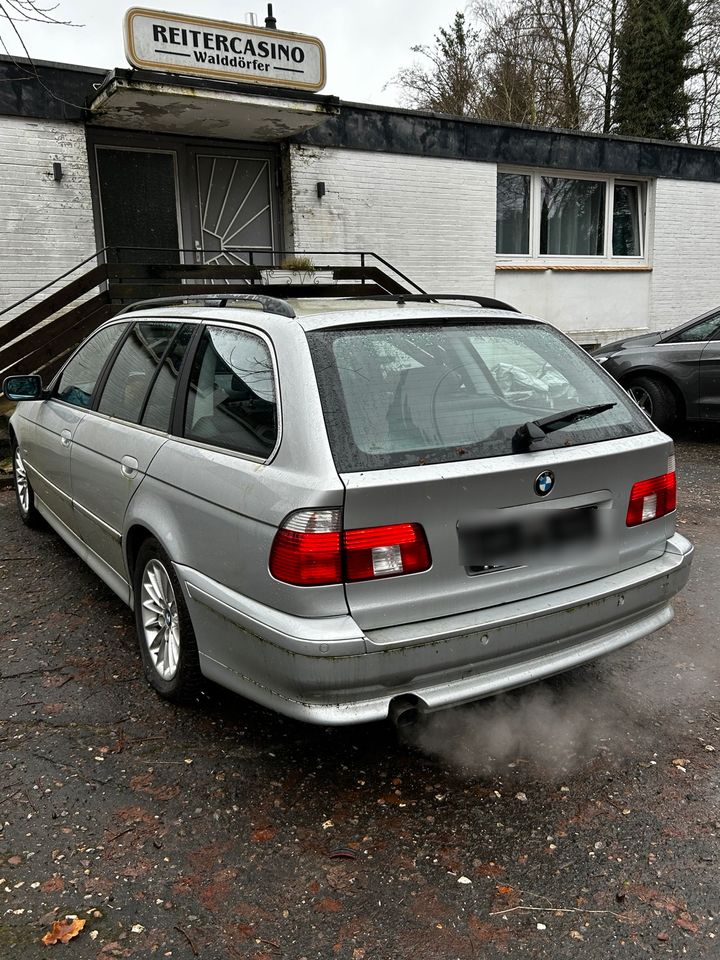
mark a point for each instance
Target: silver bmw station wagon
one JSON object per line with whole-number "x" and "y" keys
{"x": 358, "y": 512}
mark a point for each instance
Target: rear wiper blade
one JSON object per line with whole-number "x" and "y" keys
{"x": 535, "y": 430}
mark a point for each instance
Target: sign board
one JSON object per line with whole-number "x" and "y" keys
{"x": 176, "y": 43}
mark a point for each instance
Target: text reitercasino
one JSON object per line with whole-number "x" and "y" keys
{"x": 246, "y": 50}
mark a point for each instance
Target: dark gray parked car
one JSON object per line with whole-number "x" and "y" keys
{"x": 353, "y": 513}
{"x": 672, "y": 374}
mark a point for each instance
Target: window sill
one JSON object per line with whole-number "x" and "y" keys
{"x": 586, "y": 268}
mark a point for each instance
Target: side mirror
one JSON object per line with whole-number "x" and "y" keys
{"x": 23, "y": 388}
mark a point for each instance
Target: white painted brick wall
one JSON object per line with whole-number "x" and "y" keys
{"x": 45, "y": 227}
{"x": 686, "y": 258}
{"x": 432, "y": 218}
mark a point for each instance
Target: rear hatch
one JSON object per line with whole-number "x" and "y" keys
{"x": 427, "y": 422}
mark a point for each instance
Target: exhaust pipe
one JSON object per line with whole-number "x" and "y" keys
{"x": 405, "y": 711}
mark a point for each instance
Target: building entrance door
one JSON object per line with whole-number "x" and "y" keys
{"x": 167, "y": 200}
{"x": 234, "y": 218}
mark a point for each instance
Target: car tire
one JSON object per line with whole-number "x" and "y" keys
{"x": 165, "y": 632}
{"x": 655, "y": 399}
{"x": 24, "y": 493}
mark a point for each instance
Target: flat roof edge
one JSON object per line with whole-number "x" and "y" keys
{"x": 63, "y": 91}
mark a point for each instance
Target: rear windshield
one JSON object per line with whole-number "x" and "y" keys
{"x": 408, "y": 395}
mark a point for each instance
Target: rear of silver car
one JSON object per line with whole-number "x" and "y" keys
{"x": 507, "y": 514}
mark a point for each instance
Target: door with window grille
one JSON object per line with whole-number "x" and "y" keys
{"x": 236, "y": 210}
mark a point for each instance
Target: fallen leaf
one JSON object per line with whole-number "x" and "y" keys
{"x": 502, "y": 888}
{"x": 327, "y": 905}
{"x": 576, "y": 935}
{"x": 262, "y": 835}
{"x": 680, "y": 762}
{"x": 685, "y": 923}
{"x": 114, "y": 949}
{"x": 63, "y": 930}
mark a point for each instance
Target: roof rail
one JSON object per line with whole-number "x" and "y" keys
{"x": 490, "y": 302}
{"x": 269, "y": 304}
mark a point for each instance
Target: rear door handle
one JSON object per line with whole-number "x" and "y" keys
{"x": 66, "y": 438}
{"x": 128, "y": 467}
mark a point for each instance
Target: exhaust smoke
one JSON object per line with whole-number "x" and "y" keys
{"x": 542, "y": 730}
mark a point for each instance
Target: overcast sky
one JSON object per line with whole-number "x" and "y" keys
{"x": 367, "y": 41}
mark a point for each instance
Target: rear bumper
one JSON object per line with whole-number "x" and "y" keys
{"x": 327, "y": 671}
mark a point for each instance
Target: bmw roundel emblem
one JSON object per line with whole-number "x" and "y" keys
{"x": 544, "y": 483}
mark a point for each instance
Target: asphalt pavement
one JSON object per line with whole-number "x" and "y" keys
{"x": 575, "y": 818}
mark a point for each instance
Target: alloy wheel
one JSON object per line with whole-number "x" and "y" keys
{"x": 642, "y": 398}
{"x": 21, "y": 483}
{"x": 161, "y": 625}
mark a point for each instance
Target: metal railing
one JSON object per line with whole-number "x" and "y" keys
{"x": 100, "y": 256}
{"x": 39, "y": 336}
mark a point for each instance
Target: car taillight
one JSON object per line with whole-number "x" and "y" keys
{"x": 306, "y": 549}
{"x": 385, "y": 551}
{"x": 651, "y": 499}
{"x": 311, "y": 549}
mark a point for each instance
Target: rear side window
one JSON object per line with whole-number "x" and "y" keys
{"x": 397, "y": 397}
{"x": 78, "y": 379}
{"x": 159, "y": 403}
{"x": 231, "y": 397}
{"x": 133, "y": 369}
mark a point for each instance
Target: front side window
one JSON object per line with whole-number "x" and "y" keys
{"x": 540, "y": 215}
{"x": 133, "y": 370}
{"x": 78, "y": 379}
{"x": 698, "y": 332}
{"x": 395, "y": 397}
{"x": 231, "y": 399}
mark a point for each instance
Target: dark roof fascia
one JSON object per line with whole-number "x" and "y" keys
{"x": 45, "y": 90}
{"x": 154, "y": 78}
{"x": 416, "y": 133}
{"x": 60, "y": 91}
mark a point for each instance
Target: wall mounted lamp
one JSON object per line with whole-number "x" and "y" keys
{"x": 320, "y": 189}
{"x": 57, "y": 171}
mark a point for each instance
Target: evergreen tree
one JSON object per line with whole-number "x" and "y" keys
{"x": 653, "y": 50}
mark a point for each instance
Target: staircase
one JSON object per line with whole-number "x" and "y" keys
{"x": 40, "y": 338}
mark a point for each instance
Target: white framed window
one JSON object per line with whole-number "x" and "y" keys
{"x": 547, "y": 216}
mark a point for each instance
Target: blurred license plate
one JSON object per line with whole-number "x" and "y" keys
{"x": 535, "y": 535}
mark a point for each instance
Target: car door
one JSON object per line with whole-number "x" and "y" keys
{"x": 48, "y": 447}
{"x": 117, "y": 439}
{"x": 684, "y": 355}
{"x": 709, "y": 379}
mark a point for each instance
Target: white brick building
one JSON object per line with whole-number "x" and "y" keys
{"x": 601, "y": 235}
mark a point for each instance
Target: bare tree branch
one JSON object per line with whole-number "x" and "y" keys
{"x": 32, "y": 11}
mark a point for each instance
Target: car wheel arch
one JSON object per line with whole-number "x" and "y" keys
{"x": 134, "y": 538}
{"x": 650, "y": 373}
{"x": 148, "y": 515}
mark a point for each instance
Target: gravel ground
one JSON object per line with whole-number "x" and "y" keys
{"x": 574, "y": 818}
